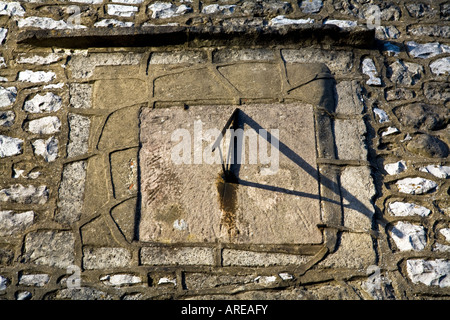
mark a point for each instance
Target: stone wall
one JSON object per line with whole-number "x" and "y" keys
{"x": 69, "y": 178}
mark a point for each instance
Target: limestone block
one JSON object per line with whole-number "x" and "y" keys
{"x": 232, "y": 257}
{"x": 415, "y": 185}
{"x": 190, "y": 85}
{"x": 124, "y": 172}
{"x": 355, "y": 250}
{"x": 423, "y": 116}
{"x": 27, "y": 195}
{"x": 408, "y": 236}
{"x": 48, "y": 149}
{"x": 7, "y": 96}
{"x": 10, "y": 146}
{"x": 45, "y": 125}
{"x": 79, "y": 128}
{"x": 429, "y": 272}
{"x": 71, "y": 192}
{"x": 122, "y": 10}
{"x": 80, "y": 95}
{"x": 164, "y": 10}
{"x": 105, "y": 258}
{"x": 48, "y": 102}
{"x": 35, "y": 280}
{"x": 428, "y": 146}
{"x": 12, "y": 222}
{"x": 348, "y": 98}
{"x": 339, "y": 62}
{"x": 36, "y": 76}
{"x": 256, "y": 80}
{"x": 405, "y": 73}
{"x": 177, "y": 256}
{"x": 440, "y": 66}
{"x": 7, "y": 118}
{"x": 350, "y": 139}
{"x": 357, "y": 191}
{"x": 403, "y": 209}
{"x": 50, "y": 248}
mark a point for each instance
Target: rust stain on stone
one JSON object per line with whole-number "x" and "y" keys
{"x": 227, "y": 185}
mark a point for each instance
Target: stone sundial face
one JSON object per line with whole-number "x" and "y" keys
{"x": 258, "y": 186}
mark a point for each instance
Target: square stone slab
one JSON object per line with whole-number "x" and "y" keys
{"x": 269, "y": 196}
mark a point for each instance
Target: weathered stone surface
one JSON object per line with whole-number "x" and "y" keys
{"x": 71, "y": 192}
{"x": 405, "y": 73}
{"x": 408, "y": 236}
{"x": 350, "y": 139}
{"x": 399, "y": 94}
{"x": 36, "y": 76}
{"x": 437, "y": 92}
{"x": 121, "y": 10}
{"x": 437, "y": 170}
{"x": 428, "y": 146}
{"x": 83, "y": 293}
{"x": 195, "y": 281}
{"x": 79, "y": 128}
{"x": 381, "y": 114}
{"x": 283, "y": 21}
{"x": 120, "y": 280}
{"x": 190, "y": 85}
{"x": 113, "y": 94}
{"x": 232, "y": 257}
{"x": 403, "y": 209}
{"x": 342, "y": 23}
{"x": 4, "y": 282}
{"x": 246, "y": 79}
{"x": 349, "y": 100}
{"x": 357, "y": 191}
{"x": 234, "y": 55}
{"x": 218, "y": 9}
{"x": 121, "y": 215}
{"x": 112, "y": 23}
{"x": 39, "y": 59}
{"x": 83, "y": 65}
{"x": 311, "y": 6}
{"x": 10, "y": 146}
{"x": 419, "y": 10}
{"x": 386, "y": 32}
{"x": 46, "y": 23}
{"x": 97, "y": 233}
{"x": 12, "y": 223}
{"x": 7, "y": 96}
{"x": 415, "y": 185}
{"x": 105, "y": 258}
{"x": 429, "y": 272}
{"x": 154, "y": 256}
{"x": 174, "y": 57}
{"x": 430, "y": 31}
{"x": 48, "y": 149}
{"x": 45, "y": 125}
{"x": 50, "y": 248}
{"x": 282, "y": 197}
{"x": 27, "y": 195}
{"x": 124, "y": 166}
{"x": 368, "y": 68}
{"x": 80, "y": 95}
{"x": 355, "y": 250}
{"x": 440, "y": 66}
{"x": 423, "y": 116}
{"x": 164, "y": 10}
{"x": 48, "y": 102}
{"x": 35, "y": 280}
{"x": 426, "y": 50}
{"x": 396, "y": 167}
{"x": 11, "y": 8}
{"x": 121, "y": 130}
{"x": 339, "y": 62}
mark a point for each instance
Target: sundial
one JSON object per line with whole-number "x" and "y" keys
{"x": 242, "y": 175}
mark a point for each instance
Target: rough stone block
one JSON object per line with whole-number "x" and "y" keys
{"x": 12, "y": 223}
{"x": 429, "y": 272}
{"x": 10, "y": 146}
{"x": 71, "y": 192}
{"x": 48, "y": 102}
{"x": 355, "y": 250}
{"x": 350, "y": 139}
{"x": 357, "y": 191}
{"x": 348, "y": 99}
{"x": 232, "y": 257}
{"x": 154, "y": 256}
{"x": 50, "y": 248}
{"x": 339, "y": 62}
{"x": 26, "y": 195}
{"x": 79, "y": 128}
{"x": 106, "y": 258}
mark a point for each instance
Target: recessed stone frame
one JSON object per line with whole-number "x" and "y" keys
{"x": 164, "y": 79}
